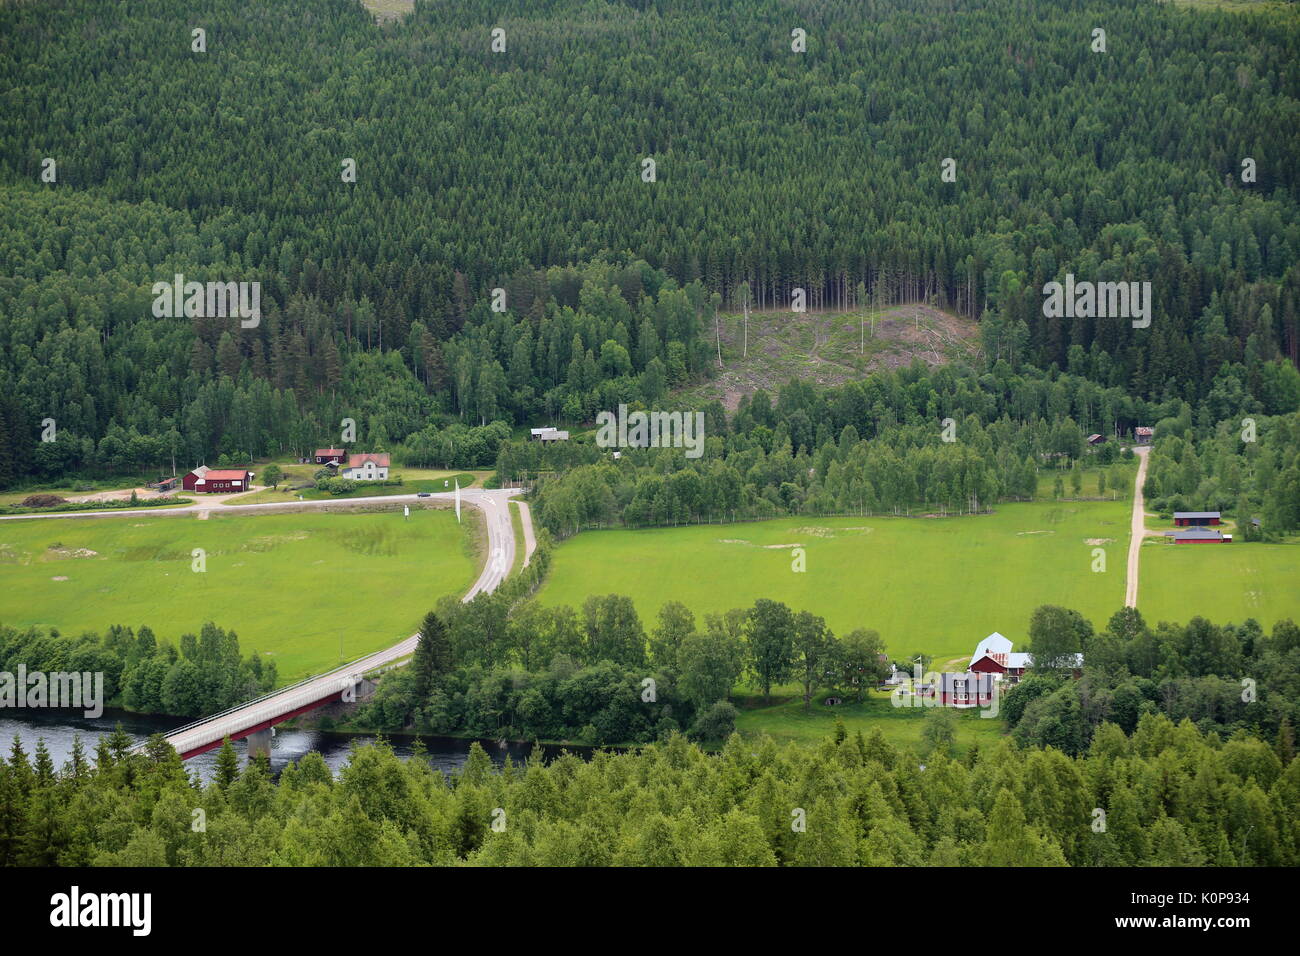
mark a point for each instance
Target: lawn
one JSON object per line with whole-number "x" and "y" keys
{"x": 288, "y": 584}
{"x": 1119, "y": 481}
{"x": 900, "y": 726}
{"x": 926, "y": 584}
{"x": 1221, "y": 582}
{"x": 413, "y": 480}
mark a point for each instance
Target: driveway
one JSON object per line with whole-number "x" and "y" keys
{"x": 1138, "y": 528}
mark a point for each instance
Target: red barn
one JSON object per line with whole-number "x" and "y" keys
{"x": 1193, "y": 519}
{"x": 214, "y": 481}
{"x": 330, "y": 456}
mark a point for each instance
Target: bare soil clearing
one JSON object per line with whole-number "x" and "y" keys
{"x": 829, "y": 348}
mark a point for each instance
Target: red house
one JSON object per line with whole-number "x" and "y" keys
{"x": 1185, "y": 519}
{"x": 205, "y": 480}
{"x": 965, "y": 690}
{"x": 330, "y": 456}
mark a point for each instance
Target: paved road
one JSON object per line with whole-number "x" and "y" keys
{"x": 495, "y": 506}
{"x": 1138, "y": 528}
{"x": 530, "y": 540}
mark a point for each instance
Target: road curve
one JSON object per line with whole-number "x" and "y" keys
{"x": 1137, "y": 528}
{"x": 281, "y": 704}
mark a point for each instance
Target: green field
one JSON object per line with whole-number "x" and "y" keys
{"x": 1221, "y": 582}
{"x": 900, "y": 726}
{"x": 926, "y": 584}
{"x": 288, "y": 584}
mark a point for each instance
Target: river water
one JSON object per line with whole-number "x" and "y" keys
{"x": 58, "y": 728}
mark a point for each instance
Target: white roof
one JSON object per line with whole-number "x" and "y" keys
{"x": 995, "y": 643}
{"x": 1027, "y": 660}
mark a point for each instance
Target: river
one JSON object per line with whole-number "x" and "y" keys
{"x": 58, "y": 728}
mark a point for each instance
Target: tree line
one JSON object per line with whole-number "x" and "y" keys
{"x": 1168, "y": 795}
{"x": 196, "y": 675}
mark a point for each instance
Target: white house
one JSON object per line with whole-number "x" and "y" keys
{"x": 369, "y": 467}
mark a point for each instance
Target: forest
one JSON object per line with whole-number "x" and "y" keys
{"x": 225, "y": 164}
{"x": 879, "y": 446}
{"x": 1168, "y": 795}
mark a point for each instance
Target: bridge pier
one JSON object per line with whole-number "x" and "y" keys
{"x": 259, "y": 744}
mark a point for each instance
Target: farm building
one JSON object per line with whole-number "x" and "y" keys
{"x": 547, "y": 435}
{"x": 993, "y": 656}
{"x": 212, "y": 481}
{"x": 1096, "y": 439}
{"x": 368, "y": 467}
{"x": 1198, "y": 535}
{"x": 329, "y": 456}
{"x": 1144, "y": 434}
{"x": 1186, "y": 519}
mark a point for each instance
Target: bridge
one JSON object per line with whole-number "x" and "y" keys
{"x": 253, "y": 720}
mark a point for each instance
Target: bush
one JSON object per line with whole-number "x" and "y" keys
{"x": 716, "y": 723}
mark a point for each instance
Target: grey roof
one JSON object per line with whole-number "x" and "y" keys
{"x": 1194, "y": 534}
{"x": 1197, "y": 514}
{"x": 975, "y": 682}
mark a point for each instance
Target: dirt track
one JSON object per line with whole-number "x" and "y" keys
{"x": 1138, "y": 529}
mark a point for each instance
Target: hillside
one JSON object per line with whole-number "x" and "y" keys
{"x": 829, "y": 347}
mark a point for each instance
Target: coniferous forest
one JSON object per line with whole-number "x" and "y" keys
{"x": 773, "y": 171}
{"x": 477, "y": 226}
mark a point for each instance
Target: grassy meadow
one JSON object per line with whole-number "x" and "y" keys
{"x": 1221, "y": 582}
{"x": 900, "y": 726}
{"x": 288, "y": 584}
{"x": 937, "y": 585}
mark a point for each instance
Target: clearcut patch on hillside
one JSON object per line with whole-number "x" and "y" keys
{"x": 384, "y": 10}
{"x": 829, "y": 347}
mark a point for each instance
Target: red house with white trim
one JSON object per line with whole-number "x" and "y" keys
{"x": 330, "y": 456}
{"x": 965, "y": 690}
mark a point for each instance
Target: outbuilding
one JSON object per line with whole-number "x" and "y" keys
{"x": 1192, "y": 519}
{"x": 1198, "y": 535}
{"x": 205, "y": 480}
